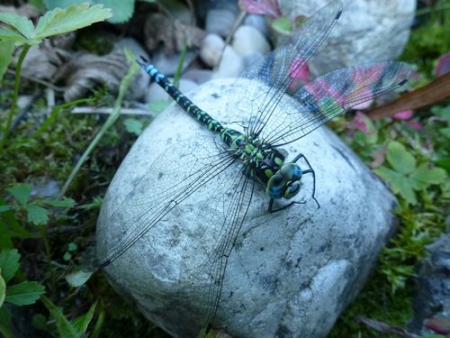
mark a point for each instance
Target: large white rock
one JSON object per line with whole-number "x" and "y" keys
{"x": 367, "y": 31}
{"x": 289, "y": 274}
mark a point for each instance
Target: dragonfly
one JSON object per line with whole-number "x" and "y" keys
{"x": 244, "y": 163}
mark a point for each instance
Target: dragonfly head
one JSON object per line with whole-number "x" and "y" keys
{"x": 286, "y": 182}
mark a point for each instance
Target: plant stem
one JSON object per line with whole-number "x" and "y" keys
{"x": 126, "y": 81}
{"x": 13, "y": 108}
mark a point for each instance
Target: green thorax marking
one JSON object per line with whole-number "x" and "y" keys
{"x": 261, "y": 161}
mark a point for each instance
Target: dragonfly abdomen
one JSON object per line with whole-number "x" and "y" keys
{"x": 201, "y": 116}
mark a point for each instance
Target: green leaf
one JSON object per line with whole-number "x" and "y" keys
{"x": 65, "y": 328}
{"x": 9, "y": 263}
{"x": 21, "y": 192}
{"x": 72, "y": 246}
{"x": 60, "y": 21}
{"x": 82, "y": 322}
{"x": 123, "y": 10}
{"x": 399, "y": 158}
{"x": 8, "y": 35}
{"x": 158, "y": 106}
{"x": 424, "y": 176}
{"x": 40, "y": 322}
{"x": 282, "y": 25}
{"x": 37, "y": 215}
{"x": 134, "y": 126}
{"x": 11, "y": 228}
{"x": 21, "y": 24}
{"x": 444, "y": 163}
{"x": 5, "y": 208}
{"x": 5, "y": 321}
{"x": 65, "y": 203}
{"x": 25, "y": 293}
{"x": 78, "y": 278}
{"x": 2, "y": 289}
{"x": 400, "y": 184}
{"x": 6, "y": 51}
{"x": 445, "y": 132}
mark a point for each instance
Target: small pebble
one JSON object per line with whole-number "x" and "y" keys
{"x": 231, "y": 64}
{"x": 211, "y": 50}
{"x": 258, "y": 22}
{"x": 219, "y": 21}
{"x": 249, "y": 40}
{"x": 199, "y": 76}
{"x": 168, "y": 65}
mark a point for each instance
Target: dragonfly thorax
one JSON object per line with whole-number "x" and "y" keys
{"x": 265, "y": 164}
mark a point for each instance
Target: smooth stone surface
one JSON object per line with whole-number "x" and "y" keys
{"x": 231, "y": 64}
{"x": 367, "y": 31}
{"x": 199, "y": 76}
{"x": 211, "y": 49}
{"x": 257, "y": 21}
{"x": 220, "y": 21}
{"x": 290, "y": 273}
{"x": 432, "y": 299}
{"x": 168, "y": 65}
{"x": 248, "y": 40}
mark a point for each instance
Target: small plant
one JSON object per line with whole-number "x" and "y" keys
{"x": 21, "y": 32}
{"x": 405, "y": 175}
{"x": 35, "y": 210}
{"x": 23, "y": 293}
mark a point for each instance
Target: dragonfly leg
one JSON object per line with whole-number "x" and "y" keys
{"x": 271, "y": 209}
{"x": 311, "y": 171}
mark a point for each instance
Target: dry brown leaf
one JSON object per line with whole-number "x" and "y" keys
{"x": 86, "y": 71}
{"x": 163, "y": 33}
{"x": 42, "y": 62}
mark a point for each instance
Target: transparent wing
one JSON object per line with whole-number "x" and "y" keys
{"x": 330, "y": 95}
{"x": 229, "y": 193}
{"x": 235, "y": 202}
{"x": 172, "y": 183}
{"x": 277, "y": 70}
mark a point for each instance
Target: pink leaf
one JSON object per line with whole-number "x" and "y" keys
{"x": 378, "y": 156}
{"x": 360, "y": 122}
{"x": 264, "y": 7}
{"x": 443, "y": 65}
{"x": 415, "y": 125}
{"x": 438, "y": 324}
{"x": 403, "y": 115}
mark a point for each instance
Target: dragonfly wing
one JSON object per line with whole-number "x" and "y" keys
{"x": 154, "y": 195}
{"x": 206, "y": 169}
{"x": 234, "y": 195}
{"x": 329, "y": 96}
{"x": 279, "y": 68}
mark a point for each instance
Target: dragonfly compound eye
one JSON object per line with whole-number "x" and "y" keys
{"x": 286, "y": 182}
{"x": 292, "y": 174}
{"x": 292, "y": 189}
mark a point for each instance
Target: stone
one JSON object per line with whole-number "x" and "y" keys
{"x": 199, "y": 76}
{"x": 432, "y": 298}
{"x": 289, "y": 273}
{"x": 168, "y": 65}
{"x": 220, "y": 21}
{"x": 248, "y": 40}
{"x": 257, "y": 21}
{"x": 211, "y": 49}
{"x": 231, "y": 64}
{"x": 367, "y": 31}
